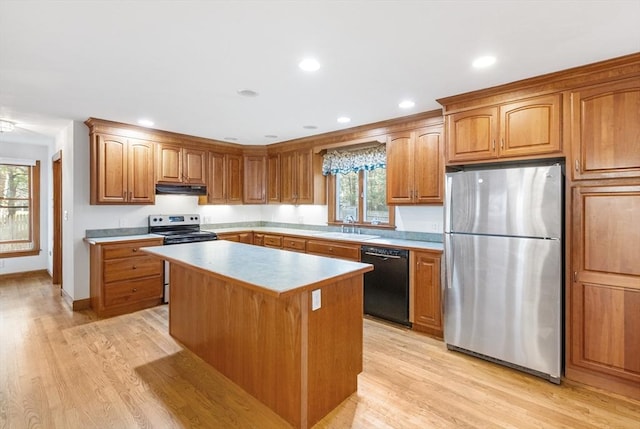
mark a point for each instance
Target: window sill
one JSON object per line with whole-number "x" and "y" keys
{"x": 363, "y": 225}
{"x": 19, "y": 254}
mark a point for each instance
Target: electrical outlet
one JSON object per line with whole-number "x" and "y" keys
{"x": 316, "y": 299}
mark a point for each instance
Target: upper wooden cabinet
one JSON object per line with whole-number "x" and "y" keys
{"x": 255, "y": 177}
{"x": 415, "y": 167}
{"x": 605, "y": 130}
{"x": 273, "y": 178}
{"x": 122, "y": 170}
{"x": 526, "y": 128}
{"x": 301, "y": 181}
{"x": 224, "y": 184}
{"x": 181, "y": 164}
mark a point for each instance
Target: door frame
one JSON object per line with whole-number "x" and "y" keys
{"x": 56, "y": 168}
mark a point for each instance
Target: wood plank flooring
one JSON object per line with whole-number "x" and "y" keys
{"x": 64, "y": 369}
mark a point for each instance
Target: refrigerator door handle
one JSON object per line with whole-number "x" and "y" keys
{"x": 449, "y": 256}
{"x": 447, "y": 204}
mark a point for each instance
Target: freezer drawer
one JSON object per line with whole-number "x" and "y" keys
{"x": 503, "y": 299}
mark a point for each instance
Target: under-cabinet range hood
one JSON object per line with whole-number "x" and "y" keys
{"x": 163, "y": 189}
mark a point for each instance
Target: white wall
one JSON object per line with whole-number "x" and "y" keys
{"x": 11, "y": 149}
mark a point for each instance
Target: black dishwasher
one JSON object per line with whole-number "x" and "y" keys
{"x": 386, "y": 288}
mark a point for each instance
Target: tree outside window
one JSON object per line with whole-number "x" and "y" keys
{"x": 361, "y": 197}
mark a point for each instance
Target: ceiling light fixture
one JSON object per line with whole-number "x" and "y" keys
{"x": 247, "y": 93}
{"x": 6, "y": 126}
{"x": 406, "y": 104}
{"x": 483, "y": 62}
{"x": 344, "y": 120}
{"x": 309, "y": 64}
{"x": 145, "y": 122}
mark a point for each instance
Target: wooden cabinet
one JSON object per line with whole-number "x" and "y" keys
{"x": 224, "y": 184}
{"x": 295, "y": 244}
{"x": 603, "y": 310}
{"x": 270, "y": 240}
{"x": 273, "y": 178}
{"x": 605, "y": 130}
{"x": 122, "y": 279}
{"x": 334, "y": 249}
{"x": 424, "y": 278}
{"x": 415, "y": 167}
{"x": 255, "y": 178}
{"x": 524, "y": 128}
{"x": 122, "y": 170}
{"x": 258, "y": 239}
{"x": 181, "y": 164}
{"x": 238, "y": 237}
{"x": 299, "y": 172}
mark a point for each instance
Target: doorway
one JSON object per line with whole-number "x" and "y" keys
{"x": 57, "y": 219}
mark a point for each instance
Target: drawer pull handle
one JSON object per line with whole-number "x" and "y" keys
{"x": 134, "y": 290}
{"x": 134, "y": 267}
{"x": 135, "y": 249}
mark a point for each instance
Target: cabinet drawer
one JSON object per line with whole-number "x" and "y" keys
{"x": 258, "y": 239}
{"x": 129, "y": 249}
{"x": 336, "y": 250}
{"x": 297, "y": 244}
{"x": 272, "y": 240}
{"x": 131, "y": 268}
{"x": 126, "y": 292}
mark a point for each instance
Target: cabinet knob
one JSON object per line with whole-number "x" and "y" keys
{"x": 134, "y": 290}
{"x": 134, "y": 267}
{"x": 135, "y": 249}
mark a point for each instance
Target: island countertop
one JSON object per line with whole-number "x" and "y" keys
{"x": 273, "y": 271}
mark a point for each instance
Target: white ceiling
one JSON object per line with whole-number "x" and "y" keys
{"x": 180, "y": 63}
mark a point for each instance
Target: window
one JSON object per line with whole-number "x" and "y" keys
{"x": 358, "y": 187}
{"x": 19, "y": 208}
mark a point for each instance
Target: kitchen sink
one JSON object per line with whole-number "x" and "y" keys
{"x": 346, "y": 236}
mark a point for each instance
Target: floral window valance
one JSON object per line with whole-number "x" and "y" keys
{"x": 335, "y": 161}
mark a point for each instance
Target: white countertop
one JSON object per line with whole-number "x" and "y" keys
{"x": 272, "y": 270}
{"x": 101, "y": 240}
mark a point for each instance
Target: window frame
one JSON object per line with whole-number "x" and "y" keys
{"x": 34, "y": 215}
{"x": 332, "y": 183}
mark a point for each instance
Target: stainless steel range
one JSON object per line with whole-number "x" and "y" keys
{"x": 178, "y": 229}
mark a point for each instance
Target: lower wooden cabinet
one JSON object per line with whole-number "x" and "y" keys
{"x": 271, "y": 240}
{"x": 122, "y": 279}
{"x": 294, "y": 244}
{"x": 424, "y": 279}
{"x": 240, "y": 237}
{"x": 334, "y": 249}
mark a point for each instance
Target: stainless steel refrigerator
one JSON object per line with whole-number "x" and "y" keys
{"x": 503, "y": 253}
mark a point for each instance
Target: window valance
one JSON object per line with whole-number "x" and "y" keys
{"x": 370, "y": 158}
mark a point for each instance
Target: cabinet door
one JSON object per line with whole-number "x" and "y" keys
{"x": 428, "y": 166}
{"x": 111, "y": 163}
{"x": 234, "y": 178}
{"x": 604, "y": 297}
{"x": 427, "y": 307}
{"x": 605, "y": 130}
{"x": 217, "y": 179}
{"x": 304, "y": 176}
{"x": 471, "y": 135}
{"x": 530, "y": 127}
{"x": 273, "y": 178}
{"x": 287, "y": 177}
{"x": 195, "y": 166}
{"x": 169, "y": 163}
{"x": 400, "y": 168}
{"x": 254, "y": 179}
{"x": 141, "y": 184}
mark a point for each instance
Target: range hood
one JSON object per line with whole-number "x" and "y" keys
{"x": 177, "y": 189}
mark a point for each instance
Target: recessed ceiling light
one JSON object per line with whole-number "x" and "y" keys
{"x": 310, "y": 127}
{"x": 6, "y": 126}
{"x": 247, "y": 93}
{"x": 231, "y": 139}
{"x": 406, "y": 104}
{"x": 145, "y": 122}
{"x": 309, "y": 64}
{"x": 344, "y": 120}
{"x": 271, "y": 136}
{"x": 482, "y": 62}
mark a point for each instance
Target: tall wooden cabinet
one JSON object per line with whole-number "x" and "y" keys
{"x": 224, "y": 184}
{"x": 415, "y": 167}
{"x": 424, "y": 277}
{"x": 301, "y": 181}
{"x": 255, "y": 177}
{"x": 122, "y": 170}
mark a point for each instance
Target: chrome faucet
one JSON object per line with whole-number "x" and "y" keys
{"x": 349, "y": 220}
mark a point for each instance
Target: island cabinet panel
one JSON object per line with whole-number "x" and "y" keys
{"x": 415, "y": 167}
{"x": 122, "y": 170}
{"x": 300, "y": 363}
{"x": 519, "y": 129}
{"x": 605, "y": 130}
{"x": 426, "y": 292}
{"x": 122, "y": 279}
{"x": 603, "y": 298}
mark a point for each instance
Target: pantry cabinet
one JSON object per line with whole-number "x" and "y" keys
{"x": 181, "y": 164}
{"x": 415, "y": 167}
{"x": 122, "y": 170}
{"x": 224, "y": 184}
{"x": 122, "y": 279}
{"x": 525, "y": 128}
{"x": 424, "y": 278}
{"x": 605, "y": 130}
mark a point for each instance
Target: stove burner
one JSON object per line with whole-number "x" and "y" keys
{"x": 179, "y": 229}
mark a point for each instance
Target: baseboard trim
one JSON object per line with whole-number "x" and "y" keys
{"x": 77, "y": 305}
{"x": 35, "y": 273}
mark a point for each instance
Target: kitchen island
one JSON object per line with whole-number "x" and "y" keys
{"x": 285, "y": 326}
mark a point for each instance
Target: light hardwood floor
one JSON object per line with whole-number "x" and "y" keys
{"x": 60, "y": 369}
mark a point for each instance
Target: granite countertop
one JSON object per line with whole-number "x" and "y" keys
{"x": 273, "y": 271}
{"x": 101, "y": 240}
